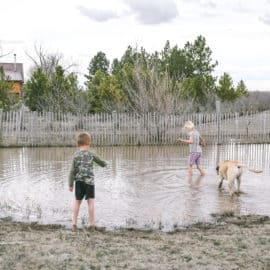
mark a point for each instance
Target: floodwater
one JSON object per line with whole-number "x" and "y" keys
{"x": 144, "y": 187}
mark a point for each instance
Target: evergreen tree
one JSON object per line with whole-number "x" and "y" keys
{"x": 98, "y": 63}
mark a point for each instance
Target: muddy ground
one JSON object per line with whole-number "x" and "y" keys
{"x": 232, "y": 242}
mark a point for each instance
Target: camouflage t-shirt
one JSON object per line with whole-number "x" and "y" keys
{"x": 82, "y": 167}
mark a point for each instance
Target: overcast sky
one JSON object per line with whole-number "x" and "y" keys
{"x": 237, "y": 31}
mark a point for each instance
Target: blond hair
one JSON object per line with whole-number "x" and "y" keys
{"x": 189, "y": 126}
{"x": 83, "y": 138}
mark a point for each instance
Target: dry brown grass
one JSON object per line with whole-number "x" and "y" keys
{"x": 233, "y": 242}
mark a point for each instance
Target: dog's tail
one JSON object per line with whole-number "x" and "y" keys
{"x": 250, "y": 169}
{"x": 254, "y": 170}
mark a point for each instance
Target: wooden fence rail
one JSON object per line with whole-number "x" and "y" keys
{"x": 23, "y": 128}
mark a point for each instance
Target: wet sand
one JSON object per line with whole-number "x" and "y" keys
{"x": 231, "y": 242}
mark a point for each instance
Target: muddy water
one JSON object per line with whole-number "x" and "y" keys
{"x": 142, "y": 187}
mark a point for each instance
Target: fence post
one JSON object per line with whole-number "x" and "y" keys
{"x": 218, "y": 120}
{"x": 218, "y": 127}
{"x": 1, "y": 125}
{"x": 114, "y": 125}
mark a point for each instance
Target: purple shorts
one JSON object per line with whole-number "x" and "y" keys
{"x": 194, "y": 158}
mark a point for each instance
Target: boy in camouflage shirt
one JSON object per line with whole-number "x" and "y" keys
{"x": 82, "y": 174}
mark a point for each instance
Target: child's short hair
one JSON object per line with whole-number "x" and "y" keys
{"x": 83, "y": 138}
{"x": 189, "y": 126}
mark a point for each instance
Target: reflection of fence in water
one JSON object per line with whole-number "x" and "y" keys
{"x": 56, "y": 129}
{"x": 49, "y": 159}
{"x": 253, "y": 155}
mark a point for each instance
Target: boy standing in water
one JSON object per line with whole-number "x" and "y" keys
{"x": 82, "y": 174}
{"x": 195, "y": 150}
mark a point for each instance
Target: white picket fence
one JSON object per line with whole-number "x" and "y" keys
{"x": 23, "y": 128}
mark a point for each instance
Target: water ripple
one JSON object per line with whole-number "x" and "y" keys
{"x": 145, "y": 187}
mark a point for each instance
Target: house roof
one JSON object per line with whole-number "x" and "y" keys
{"x": 14, "y": 71}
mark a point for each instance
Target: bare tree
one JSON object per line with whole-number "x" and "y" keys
{"x": 254, "y": 101}
{"x": 51, "y": 87}
{"x": 4, "y": 54}
{"x": 152, "y": 91}
{"x": 47, "y": 62}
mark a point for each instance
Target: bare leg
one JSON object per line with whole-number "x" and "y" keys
{"x": 190, "y": 169}
{"x": 200, "y": 170}
{"x": 91, "y": 212}
{"x": 76, "y": 208}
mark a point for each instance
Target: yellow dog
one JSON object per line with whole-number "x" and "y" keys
{"x": 231, "y": 170}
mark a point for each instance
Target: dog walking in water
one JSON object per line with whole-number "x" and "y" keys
{"x": 231, "y": 170}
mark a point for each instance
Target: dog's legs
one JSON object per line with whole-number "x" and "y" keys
{"x": 232, "y": 174}
{"x": 231, "y": 187}
{"x": 238, "y": 184}
{"x": 220, "y": 181}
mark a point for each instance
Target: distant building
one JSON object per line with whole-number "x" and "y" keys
{"x": 14, "y": 73}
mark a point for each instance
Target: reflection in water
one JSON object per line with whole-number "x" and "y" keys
{"x": 143, "y": 187}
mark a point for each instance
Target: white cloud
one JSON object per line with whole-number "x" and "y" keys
{"x": 209, "y": 3}
{"x": 153, "y": 12}
{"x": 265, "y": 18}
{"x": 97, "y": 14}
{"x": 237, "y": 31}
{"x": 145, "y": 12}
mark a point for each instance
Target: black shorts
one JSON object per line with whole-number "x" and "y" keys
{"x": 84, "y": 190}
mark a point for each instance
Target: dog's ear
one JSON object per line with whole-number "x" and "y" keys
{"x": 217, "y": 169}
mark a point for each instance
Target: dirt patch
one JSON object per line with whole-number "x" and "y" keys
{"x": 231, "y": 242}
